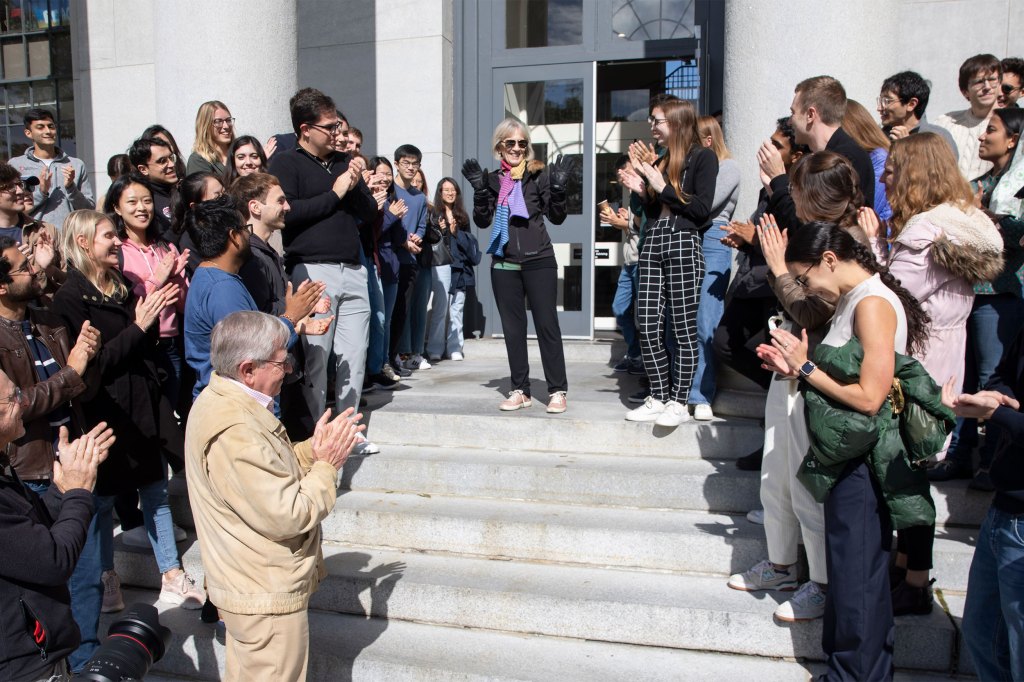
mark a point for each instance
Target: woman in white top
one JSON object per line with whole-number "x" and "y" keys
{"x": 871, "y": 305}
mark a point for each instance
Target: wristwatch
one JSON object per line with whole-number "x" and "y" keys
{"x": 807, "y": 368}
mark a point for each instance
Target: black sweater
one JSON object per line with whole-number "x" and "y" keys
{"x": 700, "y": 175}
{"x": 1008, "y": 464}
{"x": 320, "y": 228}
{"x": 42, "y": 538}
{"x": 781, "y": 203}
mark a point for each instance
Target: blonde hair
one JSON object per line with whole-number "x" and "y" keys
{"x": 683, "y": 136}
{"x": 504, "y": 129}
{"x": 924, "y": 175}
{"x": 857, "y": 122}
{"x": 83, "y": 223}
{"x": 707, "y": 126}
{"x": 205, "y": 146}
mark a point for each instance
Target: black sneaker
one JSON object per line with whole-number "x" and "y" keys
{"x": 982, "y": 481}
{"x": 948, "y": 470}
{"x": 368, "y": 386}
{"x": 209, "y": 614}
{"x": 639, "y": 397}
{"x": 751, "y": 462}
{"x": 908, "y": 600}
{"x": 382, "y": 382}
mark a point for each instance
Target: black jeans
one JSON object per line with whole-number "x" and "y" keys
{"x": 512, "y": 289}
{"x": 406, "y": 281}
{"x": 858, "y": 632}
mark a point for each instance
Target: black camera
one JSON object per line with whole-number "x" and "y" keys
{"x": 134, "y": 643}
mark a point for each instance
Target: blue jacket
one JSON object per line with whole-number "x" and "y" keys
{"x": 465, "y": 254}
{"x": 415, "y": 221}
{"x": 390, "y": 244}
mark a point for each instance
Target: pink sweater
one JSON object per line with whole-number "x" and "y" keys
{"x": 139, "y": 264}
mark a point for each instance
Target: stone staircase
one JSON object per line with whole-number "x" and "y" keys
{"x": 482, "y": 545}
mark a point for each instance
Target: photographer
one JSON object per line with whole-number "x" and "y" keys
{"x": 43, "y": 537}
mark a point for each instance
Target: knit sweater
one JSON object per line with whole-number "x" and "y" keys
{"x": 965, "y": 129}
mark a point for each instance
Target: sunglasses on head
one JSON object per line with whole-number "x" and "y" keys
{"x": 511, "y": 144}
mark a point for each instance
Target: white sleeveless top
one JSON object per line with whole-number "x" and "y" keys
{"x": 841, "y": 329}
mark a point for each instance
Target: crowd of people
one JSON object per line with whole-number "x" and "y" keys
{"x": 213, "y": 309}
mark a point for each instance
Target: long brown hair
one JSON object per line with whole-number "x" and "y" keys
{"x": 84, "y": 223}
{"x": 205, "y": 146}
{"x": 828, "y": 187}
{"x": 857, "y": 122}
{"x": 924, "y": 175}
{"x": 683, "y": 135}
{"x": 708, "y": 126}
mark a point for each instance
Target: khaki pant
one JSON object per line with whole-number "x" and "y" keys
{"x": 266, "y": 647}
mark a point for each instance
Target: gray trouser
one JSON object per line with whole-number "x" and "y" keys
{"x": 348, "y": 335}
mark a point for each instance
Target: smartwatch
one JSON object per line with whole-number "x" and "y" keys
{"x": 807, "y": 368}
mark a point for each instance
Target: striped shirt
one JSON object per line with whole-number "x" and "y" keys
{"x": 46, "y": 367}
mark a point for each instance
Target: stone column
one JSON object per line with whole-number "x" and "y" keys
{"x": 770, "y": 47}
{"x": 241, "y": 52}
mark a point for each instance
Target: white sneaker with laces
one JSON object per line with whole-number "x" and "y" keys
{"x": 457, "y": 356}
{"x": 674, "y": 414}
{"x": 763, "y": 576}
{"x": 364, "y": 446}
{"x": 648, "y": 412}
{"x": 181, "y": 590}
{"x": 807, "y": 604}
{"x": 756, "y": 516}
{"x": 702, "y": 412}
{"x": 417, "y": 362}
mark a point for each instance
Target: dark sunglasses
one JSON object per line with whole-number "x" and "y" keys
{"x": 1007, "y": 88}
{"x": 511, "y": 144}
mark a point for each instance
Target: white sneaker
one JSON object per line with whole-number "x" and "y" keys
{"x": 756, "y": 516}
{"x": 182, "y": 591}
{"x": 702, "y": 412}
{"x": 417, "y": 362}
{"x": 763, "y": 576}
{"x": 648, "y": 412}
{"x": 364, "y": 447}
{"x": 807, "y": 604}
{"x": 457, "y": 357}
{"x": 673, "y": 415}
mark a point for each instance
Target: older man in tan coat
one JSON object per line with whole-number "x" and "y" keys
{"x": 258, "y": 500}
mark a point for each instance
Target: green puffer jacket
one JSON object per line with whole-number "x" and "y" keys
{"x": 892, "y": 443}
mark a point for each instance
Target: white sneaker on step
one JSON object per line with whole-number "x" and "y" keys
{"x": 648, "y": 412}
{"x": 674, "y": 414}
{"x": 702, "y": 412}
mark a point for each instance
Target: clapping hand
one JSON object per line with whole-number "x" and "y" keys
{"x": 333, "y": 439}
{"x": 77, "y": 462}
{"x": 739, "y": 234}
{"x": 980, "y": 405}
{"x": 769, "y": 161}
{"x": 85, "y": 348}
{"x": 299, "y": 303}
{"x": 631, "y": 180}
{"x": 147, "y": 309}
{"x": 641, "y": 153}
{"x": 773, "y": 244}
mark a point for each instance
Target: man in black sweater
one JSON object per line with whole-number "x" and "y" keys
{"x": 42, "y": 537}
{"x": 155, "y": 160}
{"x": 994, "y": 611}
{"x": 817, "y": 114}
{"x": 330, "y": 204}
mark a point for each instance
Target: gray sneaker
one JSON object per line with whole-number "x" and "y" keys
{"x": 807, "y": 604}
{"x": 763, "y": 576}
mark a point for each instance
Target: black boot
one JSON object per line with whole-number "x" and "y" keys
{"x": 910, "y": 600}
{"x": 751, "y": 462}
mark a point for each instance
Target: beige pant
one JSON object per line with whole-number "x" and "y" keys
{"x": 266, "y": 647}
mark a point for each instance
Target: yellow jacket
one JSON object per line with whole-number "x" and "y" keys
{"x": 257, "y": 501}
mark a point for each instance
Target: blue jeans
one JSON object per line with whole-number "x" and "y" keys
{"x": 415, "y": 332}
{"x": 156, "y": 516}
{"x": 717, "y": 264}
{"x": 992, "y": 325}
{"x": 623, "y": 309}
{"x": 377, "y": 349}
{"x": 994, "y": 612}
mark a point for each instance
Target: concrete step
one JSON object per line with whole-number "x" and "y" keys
{"x": 356, "y": 648}
{"x": 678, "y": 611}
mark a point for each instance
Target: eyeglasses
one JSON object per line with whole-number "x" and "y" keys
{"x": 1007, "y": 88}
{"x": 15, "y": 397}
{"x": 990, "y": 80}
{"x": 166, "y": 160}
{"x": 13, "y": 188}
{"x": 285, "y": 365}
{"x": 802, "y": 279}
{"x": 332, "y": 129}
{"x": 221, "y": 122}
{"x": 655, "y": 121}
{"x": 886, "y": 101}
{"x": 409, "y": 164}
{"x": 512, "y": 144}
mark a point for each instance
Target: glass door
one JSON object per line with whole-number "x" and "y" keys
{"x": 556, "y": 102}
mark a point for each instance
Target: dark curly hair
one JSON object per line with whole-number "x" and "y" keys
{"x": 808, "y": 245}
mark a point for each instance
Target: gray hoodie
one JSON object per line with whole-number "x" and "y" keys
{"x": 55, "y": 206}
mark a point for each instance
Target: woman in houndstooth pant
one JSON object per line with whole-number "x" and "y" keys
{"x": 677, "y": 191}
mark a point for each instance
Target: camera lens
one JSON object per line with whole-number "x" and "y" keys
{"x": 134, "y": 643}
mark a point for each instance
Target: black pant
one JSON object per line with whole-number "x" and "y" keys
{"x": 916, "y": 542}
{"x": 858, "y": 631}
{"x": 744, "y": 325}
{"x": 406, "y": 281}
{"x": 512, "y": 289}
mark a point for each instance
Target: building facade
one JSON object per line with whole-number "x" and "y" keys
{"x": 441, "y": 73}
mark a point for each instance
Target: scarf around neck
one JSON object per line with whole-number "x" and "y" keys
{"x": 510, "y": 203}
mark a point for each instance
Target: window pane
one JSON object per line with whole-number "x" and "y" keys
{"x": 44, "y": 95}
{"x": 10, "y": 16}
{"x": 653, "y": 19}
{"x": 3, "y": 143}
{"x": 66, "y": 97}
{"x": 14, "y": 60}
{"x": 18, "y": 103}
{"x": 66, "y": 137}
{"x": 543, "y": 23}
{"x": 38, "y": 57}
{"x": 61, "y": 49}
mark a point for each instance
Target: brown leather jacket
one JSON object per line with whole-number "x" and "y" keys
{"x": 32, "y": 454}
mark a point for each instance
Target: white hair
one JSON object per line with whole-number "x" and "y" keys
{"x": 245, "y": 335}
{"x": 504, "y": 129}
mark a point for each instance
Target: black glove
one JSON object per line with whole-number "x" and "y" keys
{"x": 560, "y": 171}
{"x": 476, "y": 175}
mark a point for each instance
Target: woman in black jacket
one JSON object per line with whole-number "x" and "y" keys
{"x": 677, "y": 192}
{"x": 517, "y": 198}
{"x": 129, "y": 398}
